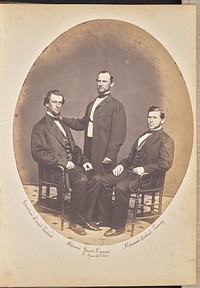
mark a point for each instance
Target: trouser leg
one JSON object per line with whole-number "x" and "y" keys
{"x": 121, "y": 204}
{"x": 92, "y": 193}
{"x": 88, "y": 148}
{"x": 105, "y": 196}
{"x": 78, "y": 183}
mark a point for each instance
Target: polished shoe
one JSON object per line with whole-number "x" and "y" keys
{"x": 113, "y": 232}
{"x": 102, "y": 224}
{"x": 90, "y": 226}
{"x": 78, "y": 229}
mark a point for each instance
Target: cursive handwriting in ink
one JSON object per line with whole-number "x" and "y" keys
{"x": 72, "y": 245}
{"x": 45, "y": 229}
{"x": 145, "y": 234}
{"x": 95, "y": 252}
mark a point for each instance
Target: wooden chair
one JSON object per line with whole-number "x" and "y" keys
{"x": 56, "y": 177}
{"x": 147, "y": 198}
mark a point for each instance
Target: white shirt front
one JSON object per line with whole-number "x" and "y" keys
{"x": 141, "y": 140}
{"x": 57, "y": 123}
{"x": 90, "y": 125}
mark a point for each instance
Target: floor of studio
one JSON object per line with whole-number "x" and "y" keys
{"x": 91, "y": 237}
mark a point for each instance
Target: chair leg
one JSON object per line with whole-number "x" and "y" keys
{"x": 40, "y": 194}
{"x": 62, "y": 214}
{"x": 134, "y": 214}
{"x": 160, "y": 205}
{"x": 47, "y": 191}
{"x": 153, "y": 197}
{"x": 62, "y": 206}
{"x": 142, "y": 204}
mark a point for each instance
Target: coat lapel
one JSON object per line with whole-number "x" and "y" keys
{"x": 53, "y": 128}
{"x": 90, "y": 107}
{"x": 151, "y": 140}
{"x": 105, "y": 101}
{"x": 69, "y": 134}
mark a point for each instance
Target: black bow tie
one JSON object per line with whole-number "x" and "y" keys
{"x": 102, "y": 96}
{"x": 56, "y": 119}
{"x": 149, "y": 132}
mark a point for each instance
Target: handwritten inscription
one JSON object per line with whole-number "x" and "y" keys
{"x": 144, "y": 235}
{"x": 91, "y": 251}
{"x": 45, "y": 229}
{"x": 73, "y": 245}
{"x": 95, "y": 252}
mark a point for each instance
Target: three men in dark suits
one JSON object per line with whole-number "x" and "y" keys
{"x": 152, "y": 152}
{"x": 104, "y": 123}
{"x": 53, "y": 143}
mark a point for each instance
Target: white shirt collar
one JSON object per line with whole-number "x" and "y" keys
{"x": 50, "y": 114}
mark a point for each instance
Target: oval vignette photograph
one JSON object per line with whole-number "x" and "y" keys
{"x": 103, "y": 132}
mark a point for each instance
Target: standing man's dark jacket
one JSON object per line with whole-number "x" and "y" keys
{"x": 109, "y": 132}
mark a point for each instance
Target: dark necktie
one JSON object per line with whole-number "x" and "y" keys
{"x": 102, "y": 96}
{"x": 56, "y": 119}
{"x": 150, "y": 132}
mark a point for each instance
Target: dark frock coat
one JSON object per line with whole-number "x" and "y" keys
{"x": 109, "y": 132}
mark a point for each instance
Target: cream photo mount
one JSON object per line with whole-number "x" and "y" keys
{"x": 27, "y": 238}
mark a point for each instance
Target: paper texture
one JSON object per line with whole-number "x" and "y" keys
{"x": 29, "y": 255}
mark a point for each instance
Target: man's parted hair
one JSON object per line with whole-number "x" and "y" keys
{"x": 51, "y": 92}
{"x": 156, "y": 108}
{"x": 105, "y": 71}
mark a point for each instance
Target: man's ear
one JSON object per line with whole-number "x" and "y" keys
{"x": 47, "y": 105}
{"x": 112, "y": 84}
{"x": 162, "y": 121}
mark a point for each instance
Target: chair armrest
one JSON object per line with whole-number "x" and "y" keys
{"x": 57, "y": 166}
{"x": 47, "y": 173}
{"x": 151, "y": 180}
{"x": 154, "y": 174}
{"x": 52, "y": 166}
{"x": 144, "y": 175}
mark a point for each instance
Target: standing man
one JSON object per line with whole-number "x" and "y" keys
{"x": 52, "y": 143}
{"x": 152, "y": 152}
{"x": 104, "y": 124}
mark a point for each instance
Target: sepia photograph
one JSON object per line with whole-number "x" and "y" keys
{"x": 101, "y": 185}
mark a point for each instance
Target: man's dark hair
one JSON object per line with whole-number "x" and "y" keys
{"x": 55, "y": 92}
{"x": 156, "y": 108}
{"x": 105, "y": 71}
